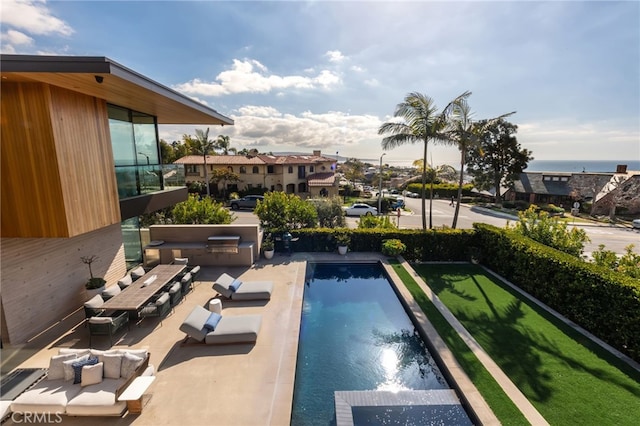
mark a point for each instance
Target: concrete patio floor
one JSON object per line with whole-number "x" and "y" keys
{"x": 196, "y": 384}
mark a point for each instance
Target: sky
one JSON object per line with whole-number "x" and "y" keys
{"x": 324, "y": 75}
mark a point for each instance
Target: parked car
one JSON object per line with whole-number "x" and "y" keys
{"x": 359, "y": 209}
{"x": 636, "y": 223}
{"x": 413, "y": 195}
{"x": 367, "y": 194}
{"x": 248, "y": 202}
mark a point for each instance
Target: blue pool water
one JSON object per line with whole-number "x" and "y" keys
{"x": 355, "y": 335}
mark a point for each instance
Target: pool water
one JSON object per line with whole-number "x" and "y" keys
{"x": 355, "y": 335}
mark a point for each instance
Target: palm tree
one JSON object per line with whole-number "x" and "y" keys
{"x": 421, "y": 123}
{"x": 464, "y": 132}
{"x": 223, "y": 143}
{"x": 203, "y": 146}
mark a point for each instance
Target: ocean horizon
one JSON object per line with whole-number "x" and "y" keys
{"x": 577, "y": 166}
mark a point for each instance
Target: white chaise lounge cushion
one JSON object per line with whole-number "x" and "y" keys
{"x": 249, "y": 290}
{"x": 230, "y": 329}
{"x": 47, "y": 396}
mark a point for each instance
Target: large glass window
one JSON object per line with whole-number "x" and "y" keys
{"x": 134, "y": 141}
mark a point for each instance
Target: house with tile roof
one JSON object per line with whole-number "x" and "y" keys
{"x": 303, "y": 175}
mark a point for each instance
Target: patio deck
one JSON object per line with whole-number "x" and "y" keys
{"x": 240, "y": 384}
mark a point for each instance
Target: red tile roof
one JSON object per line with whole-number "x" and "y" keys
{"x": 321, "y": 179}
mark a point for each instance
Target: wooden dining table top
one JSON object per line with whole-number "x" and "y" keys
{"x": 142, "y": 289}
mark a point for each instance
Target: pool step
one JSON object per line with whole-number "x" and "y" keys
{"x": 439, "y": 406}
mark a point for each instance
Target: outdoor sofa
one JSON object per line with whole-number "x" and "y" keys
{"x": 90, "y": 388}
{"x": 235, "y": 289}
{"x": 229, "y": 329}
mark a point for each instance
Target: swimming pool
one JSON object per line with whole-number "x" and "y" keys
{"x": 355, "y": 336}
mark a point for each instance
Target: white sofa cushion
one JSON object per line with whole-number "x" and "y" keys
{"x": 99, "y": 354}
{"x": 47, "y": 396}
{"x": 69, "y": 374}
{"x": 56, "y": 366}
{"x": 78, "y": 352}
{"x": 97, "y": 400}
{"x": 112, "y": 365}
{"x": 91, "y": 374}
{"x": 137, "y": 352}
{"x": 129, "y": 364}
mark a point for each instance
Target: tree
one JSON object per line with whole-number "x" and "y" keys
{"x": 330, "y": 213}
{"x": 354, "y": 170}
{"x": 201, "y": 211}
{"x": 223, "y": 143}
{"x": 419, "y": 123}
{"x": 280, "y": 212}
{"x": 225, "y": 176}
{"x": 551, "y": 232}
{"x": 203, "y": 145}
{"x": 628, "y": 264}
{"x": 465, "y": 133}
{"x": 497, "y": 160}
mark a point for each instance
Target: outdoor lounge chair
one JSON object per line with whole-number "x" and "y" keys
{"x": 247, "y": 290}
{"x": 108, "y": 325}
{"x": 230, "y": 329}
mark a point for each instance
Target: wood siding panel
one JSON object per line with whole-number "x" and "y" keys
{"x": 85, "y": 158}
{"x": 31, "y": 188}
{"x": 58, "y": 177}
{"x": 43, "y": 279}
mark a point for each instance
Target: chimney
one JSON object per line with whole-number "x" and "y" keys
{"x": 621, "y": 168}
{"x": 316, "y": 153}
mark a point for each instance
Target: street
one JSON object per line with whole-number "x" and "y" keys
{"x": 614, "y": 238}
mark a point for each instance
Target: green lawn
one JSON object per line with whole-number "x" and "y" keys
{"x": 569, "y": 379}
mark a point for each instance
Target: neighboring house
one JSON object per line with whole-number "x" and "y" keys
{"x": 80, "y": 163}
{"x": 604, "y": 190}
{"x": 304, "y": 175}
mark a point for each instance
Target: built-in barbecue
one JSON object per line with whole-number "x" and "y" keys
{"x": 223, "y": 244}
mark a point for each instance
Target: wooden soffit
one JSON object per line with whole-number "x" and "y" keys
{"x": 103, "y": 78}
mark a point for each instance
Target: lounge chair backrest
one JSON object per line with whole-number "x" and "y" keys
{"x": 193, "y": 326}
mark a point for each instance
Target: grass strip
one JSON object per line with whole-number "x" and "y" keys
{"x": 567, "y": 377}
{"x": 502, "y": 406}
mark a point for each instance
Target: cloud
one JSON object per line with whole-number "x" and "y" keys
{"x": 251, "y": 76}
{"x": 13, "y": 37}
{"x": 335, "y": 56}
{"x": 273, "y": 130}
{"x": 32, "y": 16}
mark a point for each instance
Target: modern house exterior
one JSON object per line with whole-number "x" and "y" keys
{"x": 604, "y": 190}
{"x": 304, "y": 175}
{"x": 80, "y": 162}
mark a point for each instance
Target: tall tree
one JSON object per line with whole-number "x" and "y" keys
{"x": 222, "y": 143}
{"x": 465, "y": 133}
{"x": 353, "y": 170}
{"x": 419, "y": 122}
{"x": 498, "y": 159}
{"x": 203, "y": 146}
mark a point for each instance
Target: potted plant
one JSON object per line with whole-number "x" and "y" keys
{"x": 343, "y": 241}
{"x": 268, "y": 247}
{"x": 95, "y": 285}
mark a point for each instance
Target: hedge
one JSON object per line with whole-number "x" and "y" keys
{"x": 432, "y": 245}
{"x": 604, "y": 302}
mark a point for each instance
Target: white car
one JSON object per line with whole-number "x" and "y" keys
{"x": 359, "y": 209}
{"x": 636, "y": 223}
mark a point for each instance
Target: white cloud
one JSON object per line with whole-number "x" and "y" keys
{"x": 357, "y": 68}
{"x": 14, "y": 37}
{"x": 32, "y": 16}
{"x": 251, "y": 76}
{"x": 372, "y": 82}
{"x": 335, "y": 56}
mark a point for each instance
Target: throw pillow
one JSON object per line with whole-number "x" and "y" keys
{"x": 112, "y": 365}
{"x": 56, "y": 366}
{"x": 77, "y": 352}
{"x": 91, "y": 374}
{"x": 68, "y": 366}
{"x": 137, "y": 352}
{"x": 129, "y": 364}
{"x": 212, "y": 321}
{"x": 235, "y": 285}
{"x": 99, "y": 354}
{"x": 77, "y": 368}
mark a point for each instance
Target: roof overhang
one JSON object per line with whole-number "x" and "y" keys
{"x": 103, "y": 78}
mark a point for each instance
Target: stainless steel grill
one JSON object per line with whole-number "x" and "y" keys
{"x": 223, "y": 244}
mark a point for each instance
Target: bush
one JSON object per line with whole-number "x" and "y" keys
{"x": 201, "y": 211}
{"x": 604, "y": 302}
{"x": 509, "y": 204}
{"x": 521, "y": 205}
{"x": 393, "y": 247}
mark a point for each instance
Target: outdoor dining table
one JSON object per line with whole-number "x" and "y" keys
{"x": 141, "y": 290}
